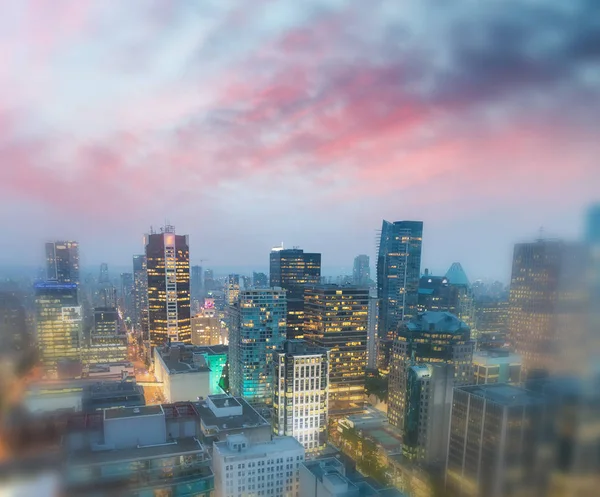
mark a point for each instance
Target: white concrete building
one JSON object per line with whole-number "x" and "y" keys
{"x": 300, "y": 400}
{"x": 269, "y": 469}
{"x": 185, "y": 376}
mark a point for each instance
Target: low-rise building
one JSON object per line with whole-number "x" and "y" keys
{"x": 223, "y": 415}
{"x": 247, "y": 469}
{"x": 105, "y": 395}
{"x": 496, "y": 366}
{"x": 183, "y": 372}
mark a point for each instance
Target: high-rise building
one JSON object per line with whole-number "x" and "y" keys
{"x": 260, "y": 280}
{"x": 427, "y": 412}
{"x": 493, "y": 441}
{"x": 126, "y": 294}
{"x": 258, "y": 329}
{"x": 62, "y": 261}
{"x": 398, "y": 273}
{"x": 196, "y": 282}
{"x": 106, "y": 343}
{"x": 209, "y": 280}
{"x": 292, "y": 269}
{"x": 548, "y": 304}
{"x": 337, "y": 318}
{"x": 206, "y": 328}
{"x": 301, "y": 379}
{"x": 372, "y": 339}
{"x": 362, "y": 270}
{"x": 58, "y": 323}
{"x": 243, "y": 468}
{"x": 496, "y": 366}
{"x": 168, "y": 268}
{"x": 232, "y": 288}
{"x": 140, "y": 291}
{"x": 430, "y": 337}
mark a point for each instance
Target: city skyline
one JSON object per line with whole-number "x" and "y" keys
{"x": 155, "y": 105}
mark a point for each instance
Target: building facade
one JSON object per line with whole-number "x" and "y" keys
{"x": 206, "y": 329}
{"x": 168, "y": 269}
{"x": 398, "y": 273}
{"x": 58, "y": 323}
{"x": 361, "y": 273}
{"x": 301, "y": 377}
{"x": 62, "y": 261}
{"x": 140, "y": 295}
{"x": 258, "y": 329}
{"x": 336, "y": 318}
{"x": 246, "y": 469}
{"x": 434, "y": 338}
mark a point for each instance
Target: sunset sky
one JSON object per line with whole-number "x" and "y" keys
{"x": 247, "y": 123}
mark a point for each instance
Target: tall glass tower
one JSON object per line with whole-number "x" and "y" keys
{"x": 168, "y": 269}
{"x": 398, "y": 273}
{"x": 258, "y": 329}
{"x": 62, "y": 261}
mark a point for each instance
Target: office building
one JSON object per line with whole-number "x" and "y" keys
{"x": 196, "y": 287}
{"x": 491, "y": 316}
{"x": 206, "y": 328}
{"x": 258, "y": 329}
{"x": 465, "y": 305}
{"x": 209, "y": 280}
{"x": 107, "y": 343}
{"x": 62, "y": 262}
{"x": 292, "y": 269}
{"x": 168, "y": 268}
{"x": 232, "y": 288}
{"x": 428, "y": 405}
{"x": 260, "y": 280}
{"x": 183, "y": 372}
{"x": 372, "y": 338}
{"x": 361, "y": 274}
{"x": 430, "y": 337}
{"x": 246, "y": 469}
{"x": 58, "y": 323}
{"x": 144, "y": 450}
{"x": 126, "y": 295}
{"x": 15, "y": 335}
{"x": 140, "y": 295}
{"x": 224, "y": 415}
{"x": 398, "y": 273}
{"x": 337, "y": 318}
{"x": 496, "y": 366}
{"x": 300, "y": 395}
{"x": 494, "y": 437}
{"x": 548, "y": 302}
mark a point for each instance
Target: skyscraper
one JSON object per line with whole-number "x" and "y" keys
{"x": 301, "y": 379}
{"x": 58, "y": 323}
{"x": 292, "y": 269}
{"x": 398, "y": 273}
{"x": 257, "y": 330}
{"x": 196, "y": 282}
{"x": 362, "y": 270}
{"x": 232, "y": 288}
{"x": 337, "y": 318}
{"x": 431, "y": 337}
{"x": 168, "y": 268}
{"x": 140, "y": 295}
{"x": 127, "y": 296}
{"x": 62, "y": 261}
{"x": 260, "y": 280}
{"x": 547, "y": 306}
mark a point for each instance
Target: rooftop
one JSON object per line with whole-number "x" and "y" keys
{"x": 457, "y": 276}
{"x": 179, "y": 446}
{"x": 258, "y": 449}
{"x": 435, "y": 321}
{"x": 248, "y": 419}
{"x": 503, "y": 394}
{"x": 132, "y": 412}
{"x": 183, "y": 358}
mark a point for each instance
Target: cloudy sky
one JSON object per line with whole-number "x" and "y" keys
{"x": 246, "y": 123}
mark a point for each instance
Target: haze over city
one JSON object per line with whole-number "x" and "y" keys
{"x": 248, "y": 123}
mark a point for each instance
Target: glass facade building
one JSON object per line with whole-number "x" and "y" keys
{"x": 58, "y": 323}
{"x": 168, "y": 269}
{"x": 258, "y": 329}
{"x": 336, "y": 317}
{"x": 62, "y": 261}
{"x": 140, "y": 294}
{"x": 361, "y": 273}
{"x": 431, "y": 337}
{"x": 398, "y": 273}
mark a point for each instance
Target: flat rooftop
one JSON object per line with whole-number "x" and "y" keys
{"x": 132, "y": 412}
{"x": 100, "y": 457}
{"x": 248, "y": 419}
{"x": 261, "y": 448}
{"x": 503, "y": 394}
{"x": 179, "y": 358}
{"x": 221, "y": 401}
